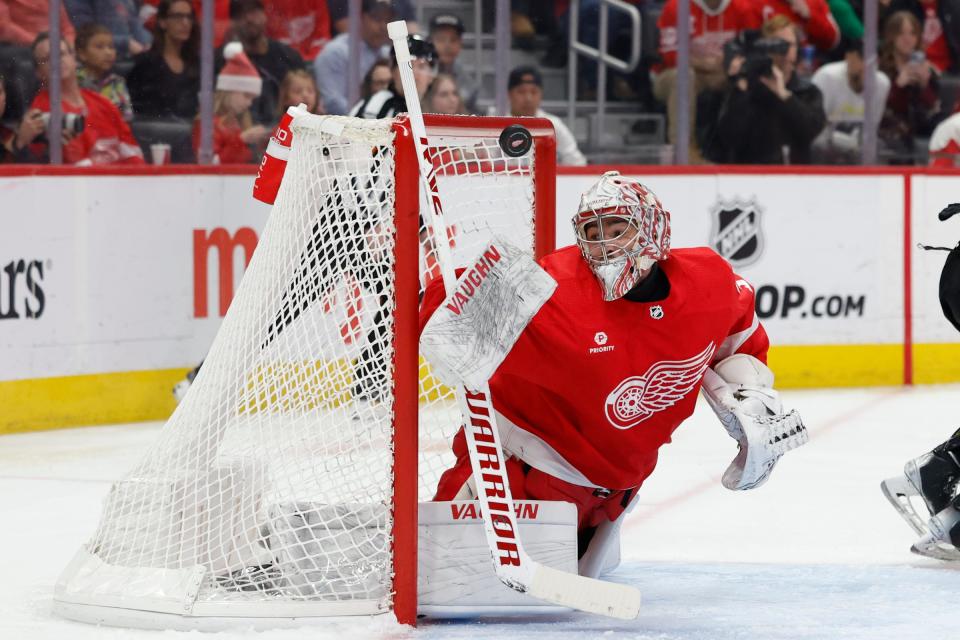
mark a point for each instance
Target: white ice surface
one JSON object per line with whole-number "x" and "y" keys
{"x": 815, "y": 553}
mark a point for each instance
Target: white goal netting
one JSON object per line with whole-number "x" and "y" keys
{"x": 270, "y": 489}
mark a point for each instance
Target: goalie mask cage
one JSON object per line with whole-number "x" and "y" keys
{"x": 286, "y": 483}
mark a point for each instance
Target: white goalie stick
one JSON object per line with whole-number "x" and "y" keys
{"x": 512, "y": 564}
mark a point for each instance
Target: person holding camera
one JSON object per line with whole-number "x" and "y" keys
{"x": 767, "y": 114}
{"x": 913, "y": 106}
{"x": 94, "y": 131}
{"x": 14, "y": 142}
{"x": 712, "y": 23}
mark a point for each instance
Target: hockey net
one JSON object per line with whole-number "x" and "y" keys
{"x": 286, "y": 482}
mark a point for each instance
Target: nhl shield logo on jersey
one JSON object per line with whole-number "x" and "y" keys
{"x": 664, "y": 384}
{"x": 656, "y": 312}
{"x": 736, "y": 234}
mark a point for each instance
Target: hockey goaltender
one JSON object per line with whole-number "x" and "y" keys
{"x": 601, "y": 375}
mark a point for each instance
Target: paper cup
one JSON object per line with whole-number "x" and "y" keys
{"x": 160, "y": 153}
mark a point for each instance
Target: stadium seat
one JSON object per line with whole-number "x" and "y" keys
{"x": 123, "y": 67}
{"x": 176, "y": 133}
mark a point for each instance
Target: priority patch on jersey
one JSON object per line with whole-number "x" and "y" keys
{"x": 663, "y": 385}
{"x": 600, "y": 338}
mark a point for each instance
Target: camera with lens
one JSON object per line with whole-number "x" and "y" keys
{"x": 71, "y": 122}
{"x": 757, "y": 53}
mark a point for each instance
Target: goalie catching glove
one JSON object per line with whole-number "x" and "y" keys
{"x": 476, "y": 325}
{"x": 740, "y": 391}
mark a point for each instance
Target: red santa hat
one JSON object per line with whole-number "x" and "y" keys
{"x": 238, "y": 74}
{"x": 945, "y": 143}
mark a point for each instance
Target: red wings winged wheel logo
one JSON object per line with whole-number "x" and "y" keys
{"x": 663, "y": 385}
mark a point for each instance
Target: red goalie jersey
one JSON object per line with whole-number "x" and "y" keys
{"x": 592, "y": 389}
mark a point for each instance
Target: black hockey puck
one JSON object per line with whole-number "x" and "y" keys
{"x": 516, "y": 140}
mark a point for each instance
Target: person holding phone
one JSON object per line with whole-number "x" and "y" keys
{"x": 913, "y": 105}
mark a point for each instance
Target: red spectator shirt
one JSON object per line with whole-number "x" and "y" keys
{"x": 106, "y": 138}
{"x": 709, "y": 29}
{"x": 592, "y": 389}
{"x": 934, "y": 43}
{"x": 821, "y": 29}
{"x": 22, "y": 20}
{"x": 301, "y": 24}
{"x": 228, "y": 146}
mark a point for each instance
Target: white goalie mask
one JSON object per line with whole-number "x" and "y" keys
{"x": 621, "y": 229}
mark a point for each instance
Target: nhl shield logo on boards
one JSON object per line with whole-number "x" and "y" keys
{"x": 736, "y": 233}
{"x": 656, "y": 312}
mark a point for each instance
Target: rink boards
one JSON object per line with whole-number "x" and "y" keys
{"x": 112, "y": 285}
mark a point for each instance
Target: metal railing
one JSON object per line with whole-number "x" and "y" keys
{"x": 478, "y": 43}
{"x": 54, "y": 127}
{"x": 205, "y": 152}
{"x": 354, "y": 74}
{"x": 871, "y": 118}
{"x": 600, "y": 55}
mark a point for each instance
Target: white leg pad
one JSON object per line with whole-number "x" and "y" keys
{"x": 455, "y": 574}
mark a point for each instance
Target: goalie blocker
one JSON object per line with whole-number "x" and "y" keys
{"x": 470, "y": 334}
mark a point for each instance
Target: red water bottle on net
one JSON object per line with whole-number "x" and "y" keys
{"x": 274, "y": 162}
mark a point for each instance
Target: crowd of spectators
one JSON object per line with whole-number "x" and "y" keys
{"x": 782, "y": 81}
{"x": 772, "y": 81}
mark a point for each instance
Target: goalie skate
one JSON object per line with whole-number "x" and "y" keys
{"x": 930, "y": 479}
{"x": 940, "y": 541}
{"x": 910, "y": 497}
{"x": 904, "y": 494}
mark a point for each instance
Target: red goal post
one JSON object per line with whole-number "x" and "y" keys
{"x": 543, "y": 175}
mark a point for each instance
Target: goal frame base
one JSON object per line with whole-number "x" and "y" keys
{"x": 155, "y": 621}
{"x": 215, "y": 621}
